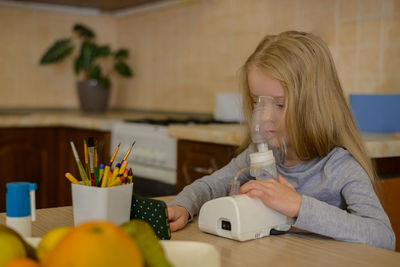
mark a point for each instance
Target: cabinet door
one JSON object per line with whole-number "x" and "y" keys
{"x": 197, "y": 159}
{"x": 67, "y": 161}
{"x": 27, "y": 154}
{"x": 388, "y": 170}
{"x": 390, "y": 201}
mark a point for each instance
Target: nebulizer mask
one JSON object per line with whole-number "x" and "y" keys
{"x": 238, "y": 216}
{"x": 266, "y": 119}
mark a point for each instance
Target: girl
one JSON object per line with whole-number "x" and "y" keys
{"x": 326, "y": 182}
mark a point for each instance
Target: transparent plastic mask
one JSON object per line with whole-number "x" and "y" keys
{"x": 266, "y": 119}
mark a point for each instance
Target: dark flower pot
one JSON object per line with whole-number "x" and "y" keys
{"x": 93, "y": 97}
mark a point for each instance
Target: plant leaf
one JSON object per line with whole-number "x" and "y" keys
{"x": 88, "y": 53}
{"x": 123, "y": 69}
{"x": 95, "y": 72}
{"x": 58, "y": 51}
{"x": 83, "y": 31}
{"x": 121, "y": 54}
{"x": 103, "y": 51}
{"x": 78, "y": 64}
{"x": 105, "y": 82}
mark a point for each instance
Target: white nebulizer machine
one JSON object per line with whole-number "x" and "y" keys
{"x": 238, "y": 216}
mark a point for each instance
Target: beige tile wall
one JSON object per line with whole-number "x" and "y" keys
{"x": 184, "y": 54}
{"x": 25, "y": 34}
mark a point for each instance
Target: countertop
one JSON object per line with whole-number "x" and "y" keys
{"x": 292, "y": 249}
{"x": 378, "y": 145}
{"x": 77, "y": 119}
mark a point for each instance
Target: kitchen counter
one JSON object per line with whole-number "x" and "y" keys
{"x": 227, "y": 134}
{"x": 77, "y": 119}
{"x": 379, "y": 145}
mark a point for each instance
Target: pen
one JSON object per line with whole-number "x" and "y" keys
{"x": 78, "y": 162}
{"x": 71, "y": 178}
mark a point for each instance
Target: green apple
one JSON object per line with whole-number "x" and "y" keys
{"x": 145, "y": 238}
{"x": 11, "y": 247}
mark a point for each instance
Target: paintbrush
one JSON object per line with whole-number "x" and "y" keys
{"x": 79, "y": 163}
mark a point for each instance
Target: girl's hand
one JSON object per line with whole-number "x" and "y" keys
{"x": 279, "y": 195}
{"x": 178, "y": 217}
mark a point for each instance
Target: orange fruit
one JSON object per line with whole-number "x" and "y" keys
{"x": 22, "y": 262}
{"x": 94, "y": 244}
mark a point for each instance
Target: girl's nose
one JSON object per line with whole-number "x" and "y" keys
{"x": 268, "y": 114}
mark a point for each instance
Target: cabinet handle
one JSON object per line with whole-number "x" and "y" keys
{"x": 202, "y": 170}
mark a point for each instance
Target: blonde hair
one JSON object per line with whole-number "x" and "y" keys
{"x": 316, "y": 111}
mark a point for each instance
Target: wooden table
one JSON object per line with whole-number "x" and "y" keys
{"x": 283, "y": 250}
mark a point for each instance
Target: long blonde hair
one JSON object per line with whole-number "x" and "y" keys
{"x": 317, "y": 113}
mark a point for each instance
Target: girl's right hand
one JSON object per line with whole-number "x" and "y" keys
{"x": 178, "y": 217}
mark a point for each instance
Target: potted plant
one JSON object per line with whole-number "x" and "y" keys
{"x": 93, "y": 82}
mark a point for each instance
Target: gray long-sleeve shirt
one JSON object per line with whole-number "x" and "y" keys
{"x": 338, "y": 199}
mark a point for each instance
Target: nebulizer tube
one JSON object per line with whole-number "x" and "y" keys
{"x": 235, "y": 183}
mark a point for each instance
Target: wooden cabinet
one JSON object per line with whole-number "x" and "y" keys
{"x": 42, "y": 156}
{"x": 390, "y": 199}
{"x": 197, "y": 159}
{"x": 388, "y": 170}
{"x": 27, "y": 154}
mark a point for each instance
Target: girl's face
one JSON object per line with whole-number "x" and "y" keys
{"x": 270, "y": 91}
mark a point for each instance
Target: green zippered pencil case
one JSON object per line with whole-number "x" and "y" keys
{"x": 154, "y": 212}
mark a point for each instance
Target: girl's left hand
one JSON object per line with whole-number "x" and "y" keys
{"x": 279, "y": 195}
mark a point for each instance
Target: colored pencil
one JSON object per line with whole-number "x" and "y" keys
{"x": 128, "y": 152}
{"x": 114, "y": 155}
{"x": 71, "y": 178}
